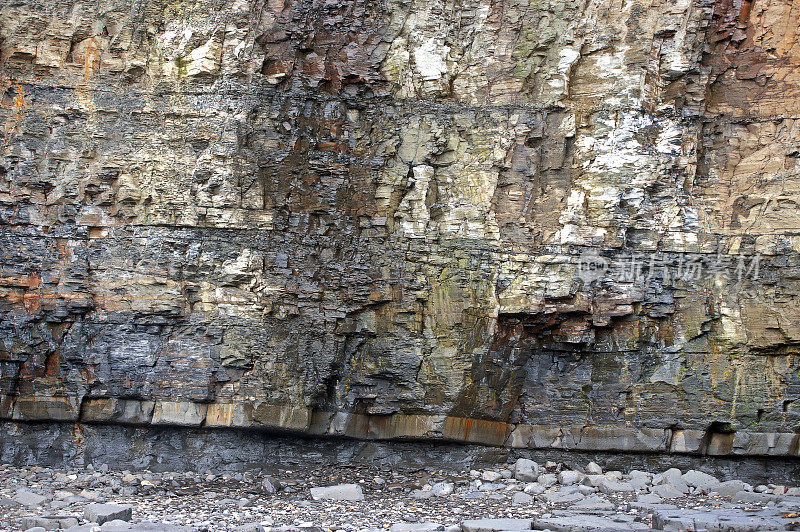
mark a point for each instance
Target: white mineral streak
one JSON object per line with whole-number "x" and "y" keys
{"x": 429, "y": 59}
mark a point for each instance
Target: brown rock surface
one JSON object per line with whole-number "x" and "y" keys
{"x": 566, "y": 224}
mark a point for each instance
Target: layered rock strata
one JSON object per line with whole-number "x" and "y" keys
{"x": 566, "y": 225}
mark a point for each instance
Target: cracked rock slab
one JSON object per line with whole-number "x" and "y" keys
{"x": 720, "y": 520}
{"x": 100, "y": 513}
{"x": 495, "y": 525}
{"x": 581, "y": 522}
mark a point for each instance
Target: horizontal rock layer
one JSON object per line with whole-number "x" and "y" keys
{"x": 406, "y": 427}
{"x": 568, "y": 225}
{"x": 171, "y": 448}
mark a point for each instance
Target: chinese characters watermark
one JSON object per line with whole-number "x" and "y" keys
{"x": 668, "y": 268}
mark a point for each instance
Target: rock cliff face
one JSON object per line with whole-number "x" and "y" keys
{"x": 568, "y": 224}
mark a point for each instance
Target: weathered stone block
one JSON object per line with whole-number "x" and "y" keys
{"x": 181, "y": 413}
{"x": 45, "y": 408}
{"x": 617, "y": 439}
{"x": 101, "y": 513}
{"x": 258, "y": 415}
{"x": 340, "y": 492}
{"x": 476, "y": 430}
{"x": 51, "y": 522}
{"x": 526, "y": 470}
{"x": 686, "y": 441}
{"x": 765, "y": 443}
{"x": 535, "y": 436}
{"x": 112, "y": 410}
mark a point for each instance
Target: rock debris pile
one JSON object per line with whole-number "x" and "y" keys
{"x": 353, "y": 498}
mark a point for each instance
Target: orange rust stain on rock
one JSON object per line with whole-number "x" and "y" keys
{"x": 12, "y": 297}
{"x": 332, "y": 147}
{"x": 32, "y": 281}
{"x": 19, "y": 99}
{"x": 32, "y": 302}
{"x": 92, "y": 60}
{"x": 52, "y": 366}
{"x": 744, "y": 14}
{"x": 17, "y": 104}
{"x": 35, "y": 301}
{"x": 476, "y": 430}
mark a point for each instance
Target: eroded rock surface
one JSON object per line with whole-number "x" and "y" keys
{"x": 563, "y": 225}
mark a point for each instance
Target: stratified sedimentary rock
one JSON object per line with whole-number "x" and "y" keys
{"x": 568, "y": 224}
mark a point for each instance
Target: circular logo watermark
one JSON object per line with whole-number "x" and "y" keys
{"x": 592, "y": 267}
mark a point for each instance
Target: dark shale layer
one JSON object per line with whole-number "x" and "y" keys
{"x": 163, "y": 449}
{"x": 552, "y": 226}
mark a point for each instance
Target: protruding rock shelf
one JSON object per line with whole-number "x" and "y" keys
{"x": 259, "y": 416}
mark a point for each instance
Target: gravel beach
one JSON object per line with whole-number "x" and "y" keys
{"x": 515, "y": 496}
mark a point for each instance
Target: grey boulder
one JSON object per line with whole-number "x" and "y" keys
{"x": 570, "y": 477}
{"x": 28, "y": 498}
{"x": 442, "y": 489}
{"x": 339, "y": 492}
{"x": 672, "y": 477}
{"x": 593, "y": 468}
{"x": 51, "y": 522}
{"x": 270, "y": 485}
{"x": 732, "y": 487}
{"x": 700, "y": 480}
{"x": 666, "y": 491}
{"x": 593, "y": 503}
{"x": 100, "y": 513}
{"x": 751, "y": 497}
{"x": 520, "y": 498}
{"x": 526, "y": 470}
{"x": 561, "y": 496}
{"x": 649, "y": 498}
{"x": 548, "y": 479}
{"x": 614, "y": 486}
